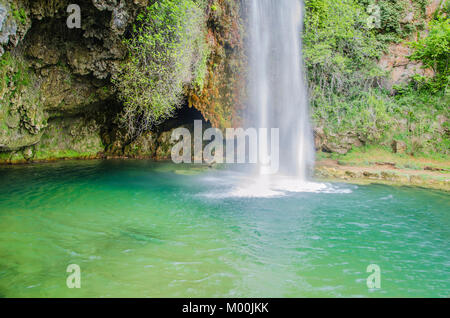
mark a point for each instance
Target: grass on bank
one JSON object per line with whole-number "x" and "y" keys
{"x": 378, "y": 155}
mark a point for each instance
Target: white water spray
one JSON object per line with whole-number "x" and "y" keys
{"x": 277, "y": 88}
{"x": 277, "y": 99}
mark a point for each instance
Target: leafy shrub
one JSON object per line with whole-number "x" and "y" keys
{"x": 346, "y": 86}
{"x": 167, "y": 50}
{"x": 339, "y": 49}
{"x": 434, "y": 52}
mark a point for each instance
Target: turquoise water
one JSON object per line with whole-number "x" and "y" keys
{"x": 144, "y": 229}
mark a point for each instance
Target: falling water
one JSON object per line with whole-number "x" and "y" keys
{"x": 278, "y": 97}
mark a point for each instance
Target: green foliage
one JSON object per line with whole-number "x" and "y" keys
{"x": 19, "y": 14}
{"x": 14, "y": 77}
{"x": 167, "y": 50}
{"x": 13, "y": 73}
{"x": 347, "y": 90}
{"x": 416, "y": 117}
{"x": 371, "y": 155}
{"x": 339, "y": 49}
{"x": 434, "y": 52}
{"x": 426, "y": 115}
{"x": 395, "y": 24}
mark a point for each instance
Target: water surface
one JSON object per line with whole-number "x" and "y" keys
{"x": 145, "y": 229}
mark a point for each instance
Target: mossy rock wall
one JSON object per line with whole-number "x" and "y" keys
{"x": 55, "y": 78}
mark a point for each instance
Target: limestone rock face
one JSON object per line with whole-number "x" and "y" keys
{"x": 59, "y": 79}
{"x": 144, "y": 146}
{"x": 65, "y": 138}
{"x": 18, "y": 139}
{"x": 22, "y": 119}
{"x": 221, "y": 100}
{"x": 341, "y": 144}
{"x": 58, "y": 75}
{"x": 41, "y": 9}
{"x": 402, "y": 69}
{"x": 396, "y": 58}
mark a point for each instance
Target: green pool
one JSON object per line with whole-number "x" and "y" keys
{"x": 145, "y": 229}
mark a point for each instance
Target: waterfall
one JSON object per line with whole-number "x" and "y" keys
{"x": 277, "y": 88}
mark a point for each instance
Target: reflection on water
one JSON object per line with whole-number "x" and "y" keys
{"x": 144, "y": 229}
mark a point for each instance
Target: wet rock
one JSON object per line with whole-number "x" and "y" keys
{"x": 62, "y": 82}
{"x": 143, "y": 146}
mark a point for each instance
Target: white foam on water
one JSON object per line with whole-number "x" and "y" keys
{"x": 253, "y": 191}
{"x": 244, "y": 186}
{"x": 292, "y": 184}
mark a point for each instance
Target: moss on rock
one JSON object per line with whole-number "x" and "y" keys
{"x": 70, "y": 138}
{"x": 143, "y": 147}
{"x": 22, "y": 119}
{"x": 221, "y": 98}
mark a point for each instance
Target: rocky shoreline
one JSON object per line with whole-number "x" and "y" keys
{"x": 432, "y": 178}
